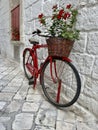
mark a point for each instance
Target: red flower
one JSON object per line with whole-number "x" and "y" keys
{"x": 66, "y": 15}
{"x": 59, "y": 16}
{"x": 40, "y": 16}
{"x": 61, "y": 12}
{"x": 68, "y": 6}
{"x": 54, "y": 7}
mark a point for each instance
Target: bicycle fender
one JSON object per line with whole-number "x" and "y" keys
{"x": 63, "y": 58}
{"x": 67, "y": 59}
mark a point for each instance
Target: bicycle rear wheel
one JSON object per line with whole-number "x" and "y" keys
{"x": 60, "y": 82}
{"x": 27, "y": 59}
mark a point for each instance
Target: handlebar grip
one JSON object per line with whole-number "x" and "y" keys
{"x": 37, "y": 32}
{"x": 34, "y": 32}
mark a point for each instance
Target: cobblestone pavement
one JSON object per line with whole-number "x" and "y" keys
{"x": 22, "y": 108}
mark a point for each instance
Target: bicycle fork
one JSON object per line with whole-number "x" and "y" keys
{"x": 55, "y": 78}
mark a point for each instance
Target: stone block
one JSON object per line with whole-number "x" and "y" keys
{"x": 91, "y": 2}
{"x": 82, "y": 2}
{"x": 87, "y": 18}
{"x": 28, "y": 14}
{"x": 43, "y": 128}
{"x": 2, "y": 127}
{"x": 36, "y": 9}
{"x": 83, "y": 126}
{"x": 85, "y": 101}
{"x": 89, "y": 102}
{"x": 6, "y": 96}
{"x": 11, "y": 89}
{"x": 4, "y": 119}
{"x": 83, "y": 63}
{"x": 92, "y": 44}
{"x": 46, "y": 117}
{"x": 23, "y": 121}
{"x": 61, "y": 125}
{"x": 2, "y": 104}
{"x": 47, "y": 105}
{"x": 90, "y": 88}
{"x": 66, "y": 116}
{"x": 63, "y": 2}
{"x": 47, "y": 6}
{"x": 13, "y": 107}
{"x": 94, "y": 107}
{"x": 29, "y": 3}
{"x": 30, "y": 107}
{"x": 34, "y": 98}
{"x": 21, "y": 94}
{"x": 95, "y": 69}
{"x": 80, "y": 45}
{"x": 29, "y": 26}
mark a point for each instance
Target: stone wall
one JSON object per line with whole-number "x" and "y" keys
{"x": 86, "y": 54}
{"x": 5, "y": 46}
{"x": 85, "y": 51}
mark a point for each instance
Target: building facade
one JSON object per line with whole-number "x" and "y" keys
{"x": 84, "y": 53}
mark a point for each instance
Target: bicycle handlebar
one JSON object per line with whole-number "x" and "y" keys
{"x": 38, "y": 32}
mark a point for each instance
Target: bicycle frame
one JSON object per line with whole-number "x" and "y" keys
{"x": 36, "y": 70}
{"x": 33, "y": 53}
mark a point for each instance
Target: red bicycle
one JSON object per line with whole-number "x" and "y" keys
{"x": 59, "y": 78}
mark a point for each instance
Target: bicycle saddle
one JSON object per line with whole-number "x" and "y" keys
{"x": 33, "y": 41}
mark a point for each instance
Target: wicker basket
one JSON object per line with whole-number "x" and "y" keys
{"x": 59, "y": 46}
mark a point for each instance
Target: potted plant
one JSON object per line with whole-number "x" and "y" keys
{"x": 61, "y": 28}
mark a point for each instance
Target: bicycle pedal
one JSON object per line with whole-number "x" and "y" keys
{"x": 31, "y": 82}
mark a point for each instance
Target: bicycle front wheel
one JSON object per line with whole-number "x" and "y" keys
{"x": 60, "y": 81}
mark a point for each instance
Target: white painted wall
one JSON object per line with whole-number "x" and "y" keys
{"x": 12, "y": 50}
{"x": 5, "y": 46}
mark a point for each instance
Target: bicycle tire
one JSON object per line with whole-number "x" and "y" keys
{"x": 50, "y": 89}
{"x": 25, "y": 57}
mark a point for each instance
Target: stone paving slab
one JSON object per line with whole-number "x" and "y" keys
{"x": 22, "y": 108}
{"x": 46, "y": 117}
{"x": 43, "y": 128}
{"x": 23, "y": 121}
{"x": 6, "y": 96}
{"x": 2, "y": 127}
{"x": 2, "y": 104}
{"x": 30, "y": 107}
